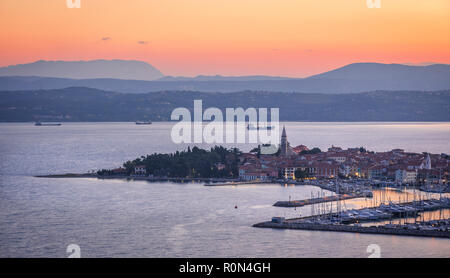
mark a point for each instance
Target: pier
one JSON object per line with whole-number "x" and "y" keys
{"x": 334, "y": 198}
{"x": 427, "y": 230}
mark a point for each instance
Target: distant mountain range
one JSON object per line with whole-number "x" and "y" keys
{"x": 86, "y": 104}
{"x": 224, "y": 78}
{"x": 120, "y": 69}
{"x": 134, "y": 76}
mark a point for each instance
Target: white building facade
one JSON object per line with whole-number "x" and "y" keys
{"x": 405, "y": 176}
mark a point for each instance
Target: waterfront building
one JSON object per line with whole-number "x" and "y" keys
{"x": 375, "y": 172}
{"x": 326, "y": 169}
{"x": 289, "y": 173}
{"x": 432, "y": 176}
{"x": 250, "y": 176}
{"x": 346, "y": 170}
{"x": 119, "y": 171}
{"x": 404, "y": 176}
{"x": 140, "y": 170}
{"x": 258, "y": 175}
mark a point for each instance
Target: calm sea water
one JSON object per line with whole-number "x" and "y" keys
{"x": 40, "y": 217}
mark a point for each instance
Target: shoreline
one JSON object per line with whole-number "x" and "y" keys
{"x": 217, "y": 181}
{"x": 353, "y": 229}
{"x": 224, "y": 181}
{"x": 67, "y": 175}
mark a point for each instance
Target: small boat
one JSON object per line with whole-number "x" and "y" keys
{"x": 144, "y": 122}
{"x": 46, "y": 124}
{"x": 258, "y": 127}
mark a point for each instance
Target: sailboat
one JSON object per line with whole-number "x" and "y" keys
{"x": 46, "y": 124}
{"x": 144, "y": 122}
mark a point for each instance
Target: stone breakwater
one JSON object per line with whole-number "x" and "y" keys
{"x": 300, "y": 203}
{"x": 354, "y": 229}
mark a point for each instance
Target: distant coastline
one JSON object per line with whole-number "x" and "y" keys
{"x": 91, "y": 105}
{"x": 207, "y": 122}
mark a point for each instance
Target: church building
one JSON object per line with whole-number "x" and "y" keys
{"x": 285, "y": 148}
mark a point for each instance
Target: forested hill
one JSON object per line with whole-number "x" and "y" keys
{"x": 104, "y": 75}
{"x": 85, "y": 104}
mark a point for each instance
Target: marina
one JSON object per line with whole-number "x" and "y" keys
{"x": 350, "y": 220}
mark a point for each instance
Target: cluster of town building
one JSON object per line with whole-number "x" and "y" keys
{"x": 395, "y": 165}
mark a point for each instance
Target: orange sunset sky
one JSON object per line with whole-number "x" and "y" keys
{"x": 229, "y": 37}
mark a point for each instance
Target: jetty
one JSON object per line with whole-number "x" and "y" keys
{"x": 312, "y": 201}
{"x": 424, "y": 230}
